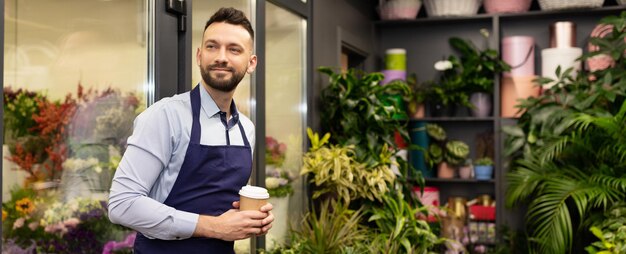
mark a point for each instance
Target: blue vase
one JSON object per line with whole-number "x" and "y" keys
{"x": 419, "y": 138}
{"x": 483, "y": 172}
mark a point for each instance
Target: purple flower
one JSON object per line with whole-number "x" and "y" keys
{"x": 111, "y": 246}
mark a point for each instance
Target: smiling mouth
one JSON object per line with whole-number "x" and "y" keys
{"x": 221, "y": 69}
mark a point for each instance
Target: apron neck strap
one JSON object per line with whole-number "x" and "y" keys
{"x": 196, "y": 130}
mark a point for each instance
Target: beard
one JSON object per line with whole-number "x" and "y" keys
{"x": 220, "y": 82}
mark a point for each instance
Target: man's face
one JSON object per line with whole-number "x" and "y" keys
{"x": 225, "y": 56}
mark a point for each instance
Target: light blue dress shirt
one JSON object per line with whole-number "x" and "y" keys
{"x": 153, "y": 158}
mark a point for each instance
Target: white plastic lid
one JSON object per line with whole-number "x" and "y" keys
{"x": 396, "y": 51}
{"x": 254, "y": 192}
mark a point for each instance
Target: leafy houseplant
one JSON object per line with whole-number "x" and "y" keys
{"x": 334, "y": 169}
{"x": 356, "y": 113}
{"x": 454, "y": 152}
{"x": 611, "y": 232}
{"x": 485, "y": 161}
{"x": 417, "y": 97}
{"x": 478, "y": 67}
{"x": 472, "y": 72}
{"x": 333, "y": 229}
{"x": 569, "y": 149}
{"x": 397, "y": 227}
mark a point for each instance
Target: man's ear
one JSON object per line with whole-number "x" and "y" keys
{"x": 198, "y": 61}
{"x": 252, "y": 64}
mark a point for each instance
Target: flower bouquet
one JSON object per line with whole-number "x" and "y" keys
{"x": 277, "y": 180}
{"x": 34, "y": 224}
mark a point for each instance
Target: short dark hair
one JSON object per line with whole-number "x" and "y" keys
{"x": 231, "y": 16}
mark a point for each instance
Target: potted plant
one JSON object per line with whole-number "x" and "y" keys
{"x": 469, "y": 79}
{"x": 446, "y": 154}
{"x": 483, "y": 168}
{"x": 357, "y": 112}
{"x": 572, "y": 135}
{"x": 417, "y": 97}
{"x": 336, "y": 174}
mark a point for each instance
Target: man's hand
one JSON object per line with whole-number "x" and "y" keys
{"x": 235, "y": 224}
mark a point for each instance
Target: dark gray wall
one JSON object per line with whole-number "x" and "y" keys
{"x": 353, "y": 18}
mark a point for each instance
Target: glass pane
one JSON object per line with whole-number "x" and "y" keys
{"x": 74, "y": 78}
{"x": 201, "y": 12}
{"x": 285, "y": 114}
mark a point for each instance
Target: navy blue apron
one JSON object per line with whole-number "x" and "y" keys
{"x": 208, "y": 183}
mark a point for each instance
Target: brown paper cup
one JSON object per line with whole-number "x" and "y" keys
{"x": 252, "y": 197}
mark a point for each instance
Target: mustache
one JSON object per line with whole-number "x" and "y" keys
{"x": 220, "y": 66}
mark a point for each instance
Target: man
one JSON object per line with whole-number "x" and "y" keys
{"x": 189, "y": 155}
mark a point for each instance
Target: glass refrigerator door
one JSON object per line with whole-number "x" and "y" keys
{"x": 75, "y": 77}
{"x": 285, "y": 114}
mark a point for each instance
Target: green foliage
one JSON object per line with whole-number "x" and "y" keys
{"x": 472, "y": 71}
{"x": 611, "y": 232}
{"x": 569, "y": 148}
{"x": 478, "y": 67}
{"x": 436, "y": 132}
{"x": 19, "y": 108}
{"x": 454, "y": 152}
{"x": 281, "y": 191}
{"x": 356, "y": 112}
{"x": 334, "y": 170}
{"x": 398, "y": 229}
{"x": 485, "y": 161}
{"x": 334, "y": 229}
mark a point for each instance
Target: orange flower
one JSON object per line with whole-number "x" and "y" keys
{"x": 4, "y": 215}
{"x": 24, "y": 206}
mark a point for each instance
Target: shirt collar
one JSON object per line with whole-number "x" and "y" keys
{"x": 211, "y": 109}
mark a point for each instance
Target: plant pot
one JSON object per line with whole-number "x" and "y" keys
{"x": 437, "y": 109}
{"x": 416, "y": 110}
{"x": 278, "y": 234}
{"x": 483, "y": 172}
{"x": 445, "y": 171}
{"x": 466, "y": 172}
{"x": 482, "y": 104}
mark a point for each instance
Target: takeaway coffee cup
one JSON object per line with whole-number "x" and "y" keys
{"x": 252, "y": 197}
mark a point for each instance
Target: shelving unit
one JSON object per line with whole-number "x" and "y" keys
{"x": 426, "y": 41}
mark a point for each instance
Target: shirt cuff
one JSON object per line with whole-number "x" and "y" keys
{"x": 185, "y": 224}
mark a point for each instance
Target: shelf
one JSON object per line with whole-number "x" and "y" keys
{"x": 569, "y": 12}
{"x": 454, "y": 119}
{"x": 458, "y": 180}
{"x": 486, "y": 16}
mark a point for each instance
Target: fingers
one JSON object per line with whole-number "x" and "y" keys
{"x": 236, "y": 204}
{"x": 269, "y": 219}
{"x": 267, "y": 207}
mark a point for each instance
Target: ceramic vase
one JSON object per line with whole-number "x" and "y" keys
{"x": 466, "y": 172}
{"x": 482, "y": 104}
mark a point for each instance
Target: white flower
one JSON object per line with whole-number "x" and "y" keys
{"x": 484, "y": 32}
{"x": 272, "y": 182}
{"x": 443, "y": 65}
